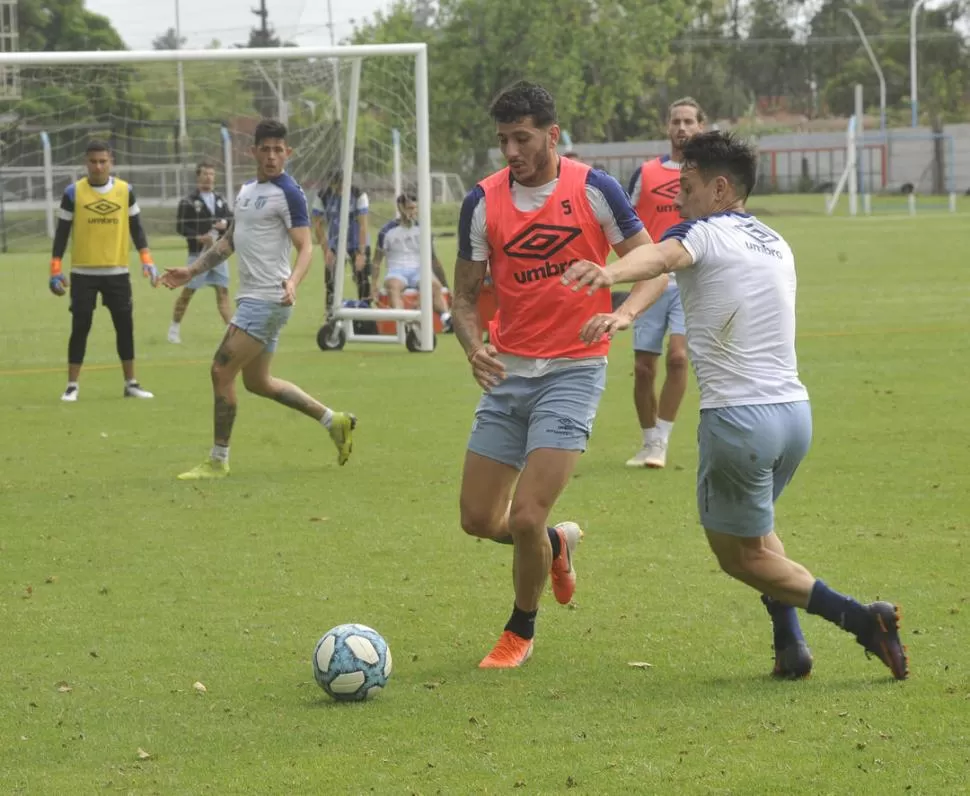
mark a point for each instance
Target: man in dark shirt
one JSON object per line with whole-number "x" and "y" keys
{"x": 203, "y": 217}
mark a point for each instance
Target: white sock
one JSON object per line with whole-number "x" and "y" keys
{"x": 445, "y": 316}
{"x": 129, "y": 382}
{"x": 220, "y": 453}
{"x": 72, "y": 384}
{"x": 664, "y": 427}
{"x": 175, "y": 326}
{"x": 649, "y": 434}
{"x": 327, "y": 418}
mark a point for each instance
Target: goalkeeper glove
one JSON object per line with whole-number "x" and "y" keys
{"x": 148, "y": 267}
{"x": 58, "y": 282}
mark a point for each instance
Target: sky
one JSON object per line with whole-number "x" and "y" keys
{"x": 229, "y": 21}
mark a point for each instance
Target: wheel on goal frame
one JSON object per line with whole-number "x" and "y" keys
{"x": 413, "y": 341}
{"x": 331, "y": 336}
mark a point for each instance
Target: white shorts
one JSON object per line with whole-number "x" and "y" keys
{"x": 411, "y": 278}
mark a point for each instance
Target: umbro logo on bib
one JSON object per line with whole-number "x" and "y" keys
{"x": 103, "y": 207}
{"x": 540, "y": 241}
{"x": 668, "y": 190}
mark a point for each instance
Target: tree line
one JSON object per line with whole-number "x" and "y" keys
{"x": 613, "y": 65}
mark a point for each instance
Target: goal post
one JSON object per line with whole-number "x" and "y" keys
{"x": 359, "y": 108}
{"x": 915, "y": 163}
{"x": 851, "y": 179}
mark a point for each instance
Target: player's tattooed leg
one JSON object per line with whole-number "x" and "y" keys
{"x": 225, "y": 416}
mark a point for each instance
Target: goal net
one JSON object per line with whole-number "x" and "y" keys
{"x": 357, "y": 110}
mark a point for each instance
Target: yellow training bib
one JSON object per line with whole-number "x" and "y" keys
{"x": 100, "y": 231}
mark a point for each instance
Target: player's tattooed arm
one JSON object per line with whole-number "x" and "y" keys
{"x": 469, "y": 277}
{"x": 214, "y": 255}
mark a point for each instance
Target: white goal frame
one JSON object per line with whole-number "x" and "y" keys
{"x": 852, "y": 180}
{"x": 423, "y": 317}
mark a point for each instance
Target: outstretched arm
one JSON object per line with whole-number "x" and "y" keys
{"x": 641, "y": 264}
{"x": 214, "y": 254}
{"x": 649, "y": 262}
{"x": 643, "y": 294}
{"x": 209, "y": 259}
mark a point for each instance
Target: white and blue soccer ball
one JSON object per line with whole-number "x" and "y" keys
{"x": 352, "y": 662}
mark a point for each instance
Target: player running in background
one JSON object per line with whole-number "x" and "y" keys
{"x": 99, "y": 213}
{"x": 737, "y": 280}
{"x": 542, "y": 384}
{"x": 399, "y": 242}
{"x": 271, "y": 218}
{"x": 202, "y": 218}
{"x": 652, "y": 190}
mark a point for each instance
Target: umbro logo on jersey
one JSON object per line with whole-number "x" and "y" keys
{"x": 103, "y": 207}
{"x": 668, "y": 190}
{"x": 540, "y": 241}
{"x": 762, "y": 237}
{"x": 758, "y": 232}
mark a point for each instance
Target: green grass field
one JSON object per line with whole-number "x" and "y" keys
{"x": 121, "y": 587}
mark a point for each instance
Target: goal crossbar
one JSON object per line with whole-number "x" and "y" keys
{"x": 256, "y": 54}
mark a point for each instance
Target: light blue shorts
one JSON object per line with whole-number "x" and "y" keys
{"x": 746, "y": 457}
{"x": 651, "y": 326}
{"x": 217, "y": 277}
{"x": 263, "y": 320}
{"x": 410, "y": 278}
{"x": 551, "y": 411}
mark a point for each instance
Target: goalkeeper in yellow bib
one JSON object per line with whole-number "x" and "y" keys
{"x": 100, "y": 212}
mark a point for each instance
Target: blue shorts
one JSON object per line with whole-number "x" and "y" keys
{"x": 652, "y": 325}
{"x": 410, "y": 278}
{"x": 217, "y": 277}
{"x": 746, "y": 457}
{"x": 552, "y": 411}
{"x": 263, "y": 320}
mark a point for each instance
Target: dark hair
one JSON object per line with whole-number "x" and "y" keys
{"x": 204, "y": 164}
{"x": 687, "y": 102}
{"x": 406, "y": 197}
{"x": 722, "y": 154}
{"x": 335, "y": 176}
{"x": 269, "y": 128}
{"x": 523, "y": 99}
{"x": 97, "y": 145}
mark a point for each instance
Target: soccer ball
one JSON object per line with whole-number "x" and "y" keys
{"x": 352, "y": 662}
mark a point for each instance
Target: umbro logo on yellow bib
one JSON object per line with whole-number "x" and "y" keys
{"x": 103, "y": 207}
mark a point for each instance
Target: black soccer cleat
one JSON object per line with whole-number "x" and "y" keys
{"x": 882, "y": 639}
{"x": 794, "y": 662}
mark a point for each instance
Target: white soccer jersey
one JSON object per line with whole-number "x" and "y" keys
{"x": 401, "y": 246}
{"x": 265, "y": 212}
{"x": 739, "y": 307}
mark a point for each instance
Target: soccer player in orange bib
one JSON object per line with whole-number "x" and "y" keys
{"x": 527, "y": 223}
{"x": 652, "y": 190}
